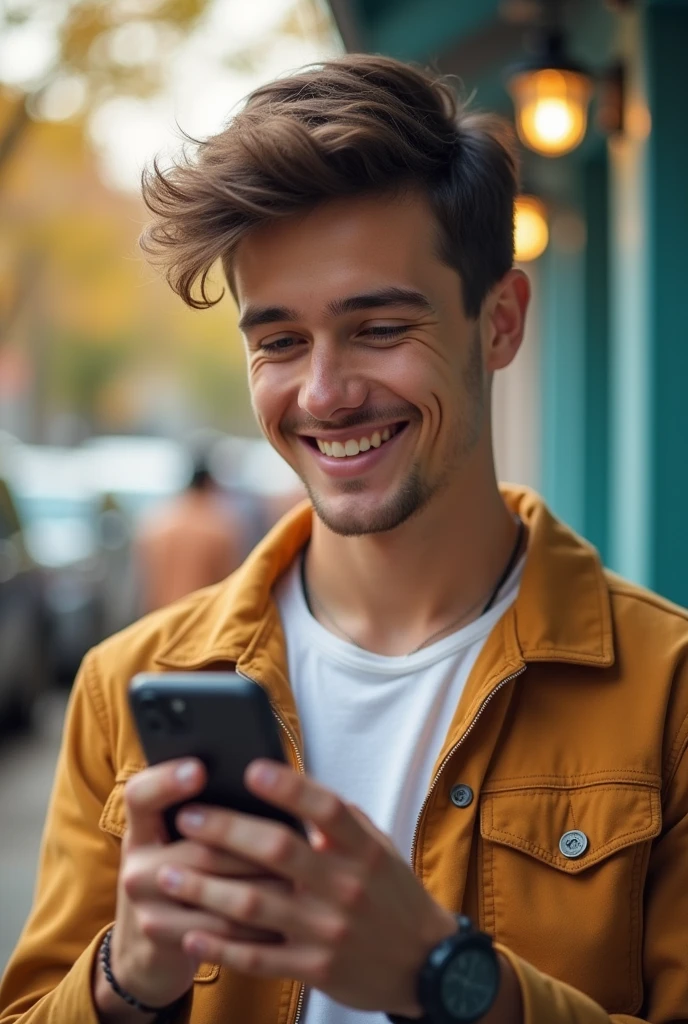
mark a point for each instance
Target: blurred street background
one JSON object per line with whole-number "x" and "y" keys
{"x": 114, "y": 395}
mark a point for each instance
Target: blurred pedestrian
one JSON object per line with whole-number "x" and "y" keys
{"x": 190, "y": 542}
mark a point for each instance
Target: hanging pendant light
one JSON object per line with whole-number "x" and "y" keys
{"x": 551, "y": 95}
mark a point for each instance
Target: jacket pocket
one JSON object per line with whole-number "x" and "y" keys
{"x": 113, "y": 820}
{"x": 578, "y": 918}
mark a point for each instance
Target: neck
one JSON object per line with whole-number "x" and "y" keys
{"x": 392, "y": 590}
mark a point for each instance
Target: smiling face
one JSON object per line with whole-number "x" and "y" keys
{"x": 365, "y": 373}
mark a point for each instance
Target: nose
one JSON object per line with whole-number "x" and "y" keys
{"x": 331, "y": 383}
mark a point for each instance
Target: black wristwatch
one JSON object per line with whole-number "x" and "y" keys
{"x": 460, "y": 979}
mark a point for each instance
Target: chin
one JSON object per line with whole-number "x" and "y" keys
{"x": 354, "y": 514}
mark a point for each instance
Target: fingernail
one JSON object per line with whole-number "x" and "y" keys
{"x": 186, "y": 773}
{"x": 192, "y": 819}
{"x": 197, "y": 946}
{"x": 171, "y": 879}
{"x": 264, "y": 774}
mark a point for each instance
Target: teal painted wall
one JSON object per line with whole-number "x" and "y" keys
{"x": 596, "y": 482}
{"x": 563, "y": 382}
{"x": 420, "y": 31}
{"x": 575, "y": 357}
{"x": 649, "y": 349}
{"x": 666, "y": 30}
{"x": 630, "y": 362}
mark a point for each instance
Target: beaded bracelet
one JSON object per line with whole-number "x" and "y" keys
{"x": 163, "y": 1012}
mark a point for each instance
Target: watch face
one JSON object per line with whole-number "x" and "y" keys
{"x": 469, "y": 984}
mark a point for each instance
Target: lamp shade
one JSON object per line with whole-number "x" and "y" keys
{"x": 531, "y": 233}
{"x": 551, "y": 107}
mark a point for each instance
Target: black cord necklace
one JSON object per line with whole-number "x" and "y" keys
{"x": 310, "y": 598}
{"x": 509, "y": 567}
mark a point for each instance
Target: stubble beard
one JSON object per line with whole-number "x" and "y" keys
{"x": 409, "y": 499}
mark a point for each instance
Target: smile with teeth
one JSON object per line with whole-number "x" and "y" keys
{"x": 345, "y": 449}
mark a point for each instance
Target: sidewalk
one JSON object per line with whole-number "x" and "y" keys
{"x": 27, "y": 765}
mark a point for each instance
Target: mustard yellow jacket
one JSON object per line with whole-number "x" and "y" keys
{"x": 575, "y": 717}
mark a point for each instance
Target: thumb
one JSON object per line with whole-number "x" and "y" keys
{"x": 152, "y": 791}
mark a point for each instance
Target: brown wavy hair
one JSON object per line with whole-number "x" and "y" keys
{"x": 351, "y": 126}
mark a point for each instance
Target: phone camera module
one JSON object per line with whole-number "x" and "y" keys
{"x": 154, "y": 719}
{"x": 177, "y": 715}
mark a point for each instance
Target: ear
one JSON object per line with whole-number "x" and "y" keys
{"x": 503, "y": 318}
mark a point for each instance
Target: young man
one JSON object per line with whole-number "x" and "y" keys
{"x": 481, "y": 720}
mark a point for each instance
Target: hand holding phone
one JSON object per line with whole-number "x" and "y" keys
{"x": 225, "y": 722}
{"x": 147, "y": 957}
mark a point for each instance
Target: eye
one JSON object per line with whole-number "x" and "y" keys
{"x": 386, "y": 331}
{"x": 279, "y": 345}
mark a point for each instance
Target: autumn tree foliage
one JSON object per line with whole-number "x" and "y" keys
{"x": 96, "y": 49}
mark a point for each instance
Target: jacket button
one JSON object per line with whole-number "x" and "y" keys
{"x": 461, "y": 796}
{"x": 573, "y": 844}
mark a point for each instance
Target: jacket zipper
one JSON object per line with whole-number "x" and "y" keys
{"x": 447, "y": 759}
{"x": 433, "y": 784}
{"x": 280, "y": 720}
{"x": 302, "y": 769}
{"x": 299, "y": 1005}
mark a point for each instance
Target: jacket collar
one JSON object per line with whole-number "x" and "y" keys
{"x": 562, "y": 612}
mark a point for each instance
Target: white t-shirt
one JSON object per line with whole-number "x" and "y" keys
{"x": 373, "y": 726}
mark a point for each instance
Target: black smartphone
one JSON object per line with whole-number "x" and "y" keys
{"x": 219, "y": 717}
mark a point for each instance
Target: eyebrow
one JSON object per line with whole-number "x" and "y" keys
{"x": 258, "y": 316}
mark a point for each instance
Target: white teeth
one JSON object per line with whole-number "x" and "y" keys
{"x": 352, "y": 447}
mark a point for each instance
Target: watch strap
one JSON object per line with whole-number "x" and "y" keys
{"x": 395, "y": 1019}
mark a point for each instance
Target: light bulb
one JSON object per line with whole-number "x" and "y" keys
{"x": 551, "y": 109}
{"x": 531, "y": 233}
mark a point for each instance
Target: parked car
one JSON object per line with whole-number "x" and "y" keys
{"x": 136, "y": 472}
{"x": 23, "y": 673}
{"x": 60, "y": 512}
